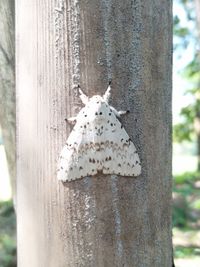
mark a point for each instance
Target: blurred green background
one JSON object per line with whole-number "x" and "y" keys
{"x": 186, "y": 133}
{"x": 186, "y": 147}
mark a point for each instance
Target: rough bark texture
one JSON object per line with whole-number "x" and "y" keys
{"x": 7, "y": 83}
{"x": 104, "y": 220}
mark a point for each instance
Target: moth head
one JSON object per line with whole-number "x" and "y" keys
{"x": 96, "y": 99}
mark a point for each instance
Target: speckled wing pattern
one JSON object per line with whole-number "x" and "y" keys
{"x": 98, "y": 143}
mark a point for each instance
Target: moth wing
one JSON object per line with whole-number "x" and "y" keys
{"x": 98, "y": 145}
{"x": 121, "y": 157}
{"x": 78, "y": 157}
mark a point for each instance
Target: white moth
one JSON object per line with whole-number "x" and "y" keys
{"x": 97, "y": 143}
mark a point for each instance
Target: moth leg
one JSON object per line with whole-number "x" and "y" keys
{"x": 123, "y": 112}
{"x": 119, "y": 113}
{"x": 71, "y": 120}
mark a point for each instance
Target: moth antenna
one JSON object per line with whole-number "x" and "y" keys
{"x": 107, "y": 94}
{"x": 83, "y": 97}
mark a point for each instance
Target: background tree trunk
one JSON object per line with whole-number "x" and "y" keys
{"x": 197, "y": 119}
{"x": 7, "y": 83}
{"x": 104, "y": 220}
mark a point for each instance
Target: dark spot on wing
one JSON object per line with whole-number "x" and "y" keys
{"x": 100, "y": 113}
{"x": 119, "y": 165}
{"x": 80, "y": 168}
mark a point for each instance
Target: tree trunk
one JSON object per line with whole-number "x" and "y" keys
{"x": 7, "y": 83}
{"x": 104, "y": 220}
{"x": 197, "y": 119}
{"x": 197, "y": 14}
{"x": 198, "y": 152}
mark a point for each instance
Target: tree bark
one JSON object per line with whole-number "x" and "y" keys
{"x": 197, "y": 13}
{"x": 102, "y": 220}
{"x": 7, "y": 83}
{"x": 197, "y": 119}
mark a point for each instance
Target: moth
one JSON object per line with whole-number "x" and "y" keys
{"x": 98, "y": 142}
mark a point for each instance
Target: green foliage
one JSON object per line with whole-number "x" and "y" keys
{"x": 186, "y": 213}
{"x": 192, "y": 70}
{"x": 7, "y": 235}
{"x": 183, "y": 252}
{"x": 7, "y": 251}
{"x": 182, "y": 132}
{"x": 186, "y": 178}
{"x": 181, "y": 32}
{"x": 179, "y": 215}
{"x": 196, "y": 204}
{"x": 185, "y": 130}
{"x": 185, "y": 208}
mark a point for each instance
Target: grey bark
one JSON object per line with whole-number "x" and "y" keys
{"x": 103, "y": 220}
{"x": 7, "y": 83}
